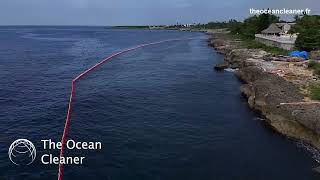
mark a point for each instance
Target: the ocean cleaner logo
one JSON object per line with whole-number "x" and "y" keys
{"x": 22, "y": 152}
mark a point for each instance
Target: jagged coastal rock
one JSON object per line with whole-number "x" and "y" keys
{"x": 276, "y": 89}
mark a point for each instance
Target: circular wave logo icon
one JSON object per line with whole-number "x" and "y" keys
{"x": 22, "y": 152}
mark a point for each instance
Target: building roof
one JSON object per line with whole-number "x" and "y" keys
{"x": 284, "y": 23}
{"x": 272, "y": 29}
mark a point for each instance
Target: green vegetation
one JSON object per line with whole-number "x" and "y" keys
{"x": 217, "y": 25}
{"x": 315, "y": 92}
{"x": 253, "y": 25}
{"x": 248, "y": 28}
{"x": 315, "y": 88}
{"x": 246, "y": 31}
{"x": 315, "y": 66}
{"x": 308, "y": 28}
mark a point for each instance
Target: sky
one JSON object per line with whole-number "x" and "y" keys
{"x": 136, "y": 12}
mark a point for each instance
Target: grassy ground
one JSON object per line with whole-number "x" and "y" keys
{"x": 315, "y": 92}
{"x": 252, "y": 44}
{"x": 315, "y": 89}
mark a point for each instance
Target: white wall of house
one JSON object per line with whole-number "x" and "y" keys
{"x": 283, "y": 42}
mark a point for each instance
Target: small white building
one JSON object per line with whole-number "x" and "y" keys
{"x": 277, "y": 35}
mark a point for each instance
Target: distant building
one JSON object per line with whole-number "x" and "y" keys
{"x": 285, "y": 27}
{"x": 278, "y": 29}
{"x": 277, "y": 35}
{"x": 273, "y": 29}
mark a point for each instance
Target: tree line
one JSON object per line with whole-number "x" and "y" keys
{"x": 307, "y": 27}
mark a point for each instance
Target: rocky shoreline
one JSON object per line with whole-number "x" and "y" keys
{"x": 276, "y": 87}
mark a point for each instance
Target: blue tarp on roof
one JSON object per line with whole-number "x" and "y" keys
{"x": 301, "y": 54}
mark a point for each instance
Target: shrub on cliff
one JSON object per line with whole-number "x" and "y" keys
{"x": 306, "y": 22}
{"x": 308, "y": 40}
{"x": 308, "y": 28}
{"x": 315, "y": 92}
{"x": 315, "y": 66}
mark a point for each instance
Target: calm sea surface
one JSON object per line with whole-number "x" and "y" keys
{"x": 161, "y": 113}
